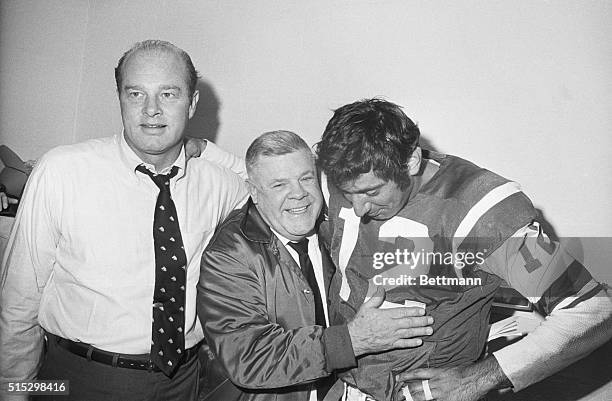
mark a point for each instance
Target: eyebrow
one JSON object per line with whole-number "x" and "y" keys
{"x": 286, "y": 179}
{"x": 279, "y": 180}
{"x": 164, "y": 87}
{"x": 173, "y": 87}
{"x": 366, "y": 189}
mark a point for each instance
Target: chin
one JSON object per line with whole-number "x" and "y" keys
{"x": 302, "y": 231}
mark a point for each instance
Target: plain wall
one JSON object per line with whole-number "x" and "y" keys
{"x": 522, "y": 88}
{"x": 41, "y": 55}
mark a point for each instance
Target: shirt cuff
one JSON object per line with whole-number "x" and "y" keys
{"x": 338, "y": 348}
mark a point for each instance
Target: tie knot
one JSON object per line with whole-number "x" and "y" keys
{"x": 301, "y": 246}
{"x": 161, "y": 180}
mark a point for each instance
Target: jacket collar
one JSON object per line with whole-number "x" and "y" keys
{"x": 253, "y": 226}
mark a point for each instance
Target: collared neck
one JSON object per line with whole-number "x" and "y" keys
{"x": 131, "y": 159}
{"x": 312, "y": 238}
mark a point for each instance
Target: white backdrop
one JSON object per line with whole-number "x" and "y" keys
{"x": 522, "y": 88}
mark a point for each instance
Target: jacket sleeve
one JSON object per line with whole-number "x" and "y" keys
{"x": 256, "y": 352}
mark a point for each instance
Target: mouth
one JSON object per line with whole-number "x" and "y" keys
{"x": 153, "y": 126}
{"x": 298, "y": 210}
{"x": 375, "y": 214}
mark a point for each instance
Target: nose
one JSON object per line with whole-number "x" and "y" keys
{"x": 361, "y": 205}
{"x": 151, "y": 106}
{"x": 297, "y": 191}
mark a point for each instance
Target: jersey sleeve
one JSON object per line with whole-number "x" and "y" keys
{"x": 541, "y": 270}
{"x": 578, "y": 309}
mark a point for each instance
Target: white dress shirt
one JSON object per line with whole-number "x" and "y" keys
{"x": 80, "y": 261}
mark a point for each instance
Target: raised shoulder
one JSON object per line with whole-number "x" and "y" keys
{"x": 82, "y": 154}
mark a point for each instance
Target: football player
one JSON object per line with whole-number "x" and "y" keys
{"x": 438, "y": 231}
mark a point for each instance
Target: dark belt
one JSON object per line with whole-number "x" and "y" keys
{"x": 140, "y": 362}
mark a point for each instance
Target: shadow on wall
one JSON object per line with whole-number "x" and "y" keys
{"x": 205, "y": 122}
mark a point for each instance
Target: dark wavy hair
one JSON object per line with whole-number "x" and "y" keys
{"x": 370, "y": 134}
{"x": 158, "y": 45}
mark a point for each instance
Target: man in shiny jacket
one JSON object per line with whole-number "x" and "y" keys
{"x": 264, "y": 314}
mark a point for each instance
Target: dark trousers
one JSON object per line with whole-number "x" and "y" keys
{"x": 92, "y": 381}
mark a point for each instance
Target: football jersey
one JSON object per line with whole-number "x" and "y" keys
{"x": 461, "y": 210}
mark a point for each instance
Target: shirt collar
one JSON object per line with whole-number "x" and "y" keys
{"x": 285, "y": 241}
{"x": 131, "y": 159}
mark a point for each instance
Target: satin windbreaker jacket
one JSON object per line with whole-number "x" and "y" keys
{"x": 258, "y": 313}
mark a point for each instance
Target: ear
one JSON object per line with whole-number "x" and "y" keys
{"x": 252, "y": 190}
{"x": 194, "y": 103}
{"x": 414, "y": 162}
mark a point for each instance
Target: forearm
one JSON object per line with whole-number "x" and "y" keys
{"x": 461, "y": 383}
{"x": 485, "y": 376}
{"x": 22, "y": 351}
{"x": 564, "y": 337}
{"x": 21, "y": 338}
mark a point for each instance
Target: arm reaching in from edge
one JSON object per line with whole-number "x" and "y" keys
{"x": 195, "y": 147}
{"x": 468, "y": 383}
{"x": 5, "y": 201}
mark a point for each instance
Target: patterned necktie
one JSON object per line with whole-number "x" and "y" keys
{"x": 168, "y": 337}
{"x": 301, "y": 247}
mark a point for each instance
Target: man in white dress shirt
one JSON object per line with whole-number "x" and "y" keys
{"x": 85, "y": 263}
